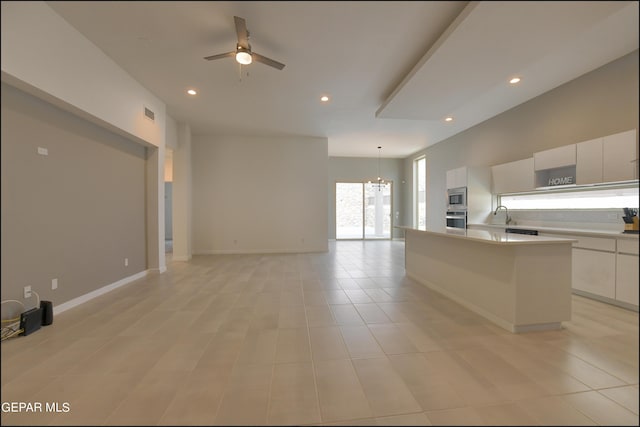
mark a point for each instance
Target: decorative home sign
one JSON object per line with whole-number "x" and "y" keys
{"x": 557, "y": 177}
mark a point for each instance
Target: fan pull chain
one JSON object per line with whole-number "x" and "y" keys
{"x": 240, "y": 73}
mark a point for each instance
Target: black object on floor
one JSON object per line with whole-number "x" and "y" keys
{"x": 30, "y": 321}
{"x": 47, "y": 312}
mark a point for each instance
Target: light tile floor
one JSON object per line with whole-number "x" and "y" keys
{"x": 338, "y": 338}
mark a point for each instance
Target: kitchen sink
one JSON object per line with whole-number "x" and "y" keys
{"x": 521, "y": 231}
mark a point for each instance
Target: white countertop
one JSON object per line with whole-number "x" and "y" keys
{"x": 565, "y": 231}
{"x": 490, "y": 236}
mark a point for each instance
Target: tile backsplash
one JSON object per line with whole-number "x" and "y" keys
{"x": 590, "y": 219}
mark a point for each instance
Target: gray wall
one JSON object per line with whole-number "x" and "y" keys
{"x": 73, "y": 215}
{"x": 599, "y": 103}
{"x": 361, "y": 169}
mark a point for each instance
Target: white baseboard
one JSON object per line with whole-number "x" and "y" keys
{"x": 93, "y": 294}
{"x": 257, "y": 252}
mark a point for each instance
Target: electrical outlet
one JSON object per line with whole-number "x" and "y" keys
{"x": 43, "y": 151}
{"x": 54, "y": 283}
{"x": 126, "y": 262}
{"x": 27, "y": 292}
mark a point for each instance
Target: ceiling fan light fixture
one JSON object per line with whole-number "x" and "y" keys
{"x": 243, "y": 57}
{"x": 243, "y": 53}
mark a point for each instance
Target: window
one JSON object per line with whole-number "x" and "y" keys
{"x": 420, "y": 193}
{"x": 610, "y": 197}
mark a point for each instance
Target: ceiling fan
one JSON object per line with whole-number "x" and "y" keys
{"x": 243, "y": 53}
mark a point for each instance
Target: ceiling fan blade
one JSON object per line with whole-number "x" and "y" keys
{"x": 241, "y": 31}
{"x": 220, "y": 56}
{"x": 267, "y": 61}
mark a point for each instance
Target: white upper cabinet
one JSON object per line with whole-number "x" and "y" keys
{"x": 589, "y": 162}
{"x": 555, "y": 158}
{"x": 457, "y": 177}
{"x": 609, "y": 159}
{"x": 620, "y": 157}
{"x": 513, "y": 177}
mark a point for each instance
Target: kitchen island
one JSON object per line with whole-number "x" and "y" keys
{"x": 519, "y": 282}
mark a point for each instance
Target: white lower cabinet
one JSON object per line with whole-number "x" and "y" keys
{"x": 627, "y": 278}
{"x": 605, "y": 267}
{"x": 594, "y": 272}
{"x": 627, "y": 267}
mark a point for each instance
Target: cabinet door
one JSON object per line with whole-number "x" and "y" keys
{"x": 512, "y": 177}
{"x": 461, "y": 177}
{"x": 555, "y": 158}
{"x": 594, "y": 272}
{"x": 620, "y": 157}
{"x": 457, "y": 178}
{"x": 627, "y": 278}
{"x": 451, "y": 179}
{"x": 589, "y": 162}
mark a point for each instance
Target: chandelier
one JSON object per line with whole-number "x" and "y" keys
{"x": 380, "y": 183}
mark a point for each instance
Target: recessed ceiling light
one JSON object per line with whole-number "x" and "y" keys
{"x": 324, "y": 98}
{"x": 192, "y": 92}
{"x": 514, "y": 80}
{"x": 448, "y": 119}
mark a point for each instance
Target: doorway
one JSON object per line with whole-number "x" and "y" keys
{"x": 363, "y": 210}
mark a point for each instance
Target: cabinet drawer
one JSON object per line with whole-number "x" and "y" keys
{"x": 628, "y": 246}
{"x": 584, "y": 242}
{"x": 596, "y": 243}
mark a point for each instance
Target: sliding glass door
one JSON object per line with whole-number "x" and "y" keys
{"x": 377, "y": 211}
{"x": 349, "y": 210}
{"x": 363, "y": 210}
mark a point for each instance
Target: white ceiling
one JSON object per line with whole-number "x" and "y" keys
{"x": 393, "y": 69}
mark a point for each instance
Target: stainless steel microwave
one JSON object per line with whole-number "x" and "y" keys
{"x": 457, "y": 198}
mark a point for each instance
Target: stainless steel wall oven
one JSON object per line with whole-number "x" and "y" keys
{"x": 457, "y": 219}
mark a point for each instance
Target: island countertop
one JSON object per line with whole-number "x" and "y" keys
{"x": 557, "y": 230}
{"x": 520, "y": 282}
{"x": 490, "y": 236}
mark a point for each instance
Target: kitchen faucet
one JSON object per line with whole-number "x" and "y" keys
{"x": 508, "y": 218}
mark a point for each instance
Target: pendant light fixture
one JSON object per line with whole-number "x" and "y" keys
{"x": 380, "y": 184}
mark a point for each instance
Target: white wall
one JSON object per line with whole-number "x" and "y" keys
{"x": 601, "y": 102}
{"x": 171, "y": 133}
{"x": 259, "y": 194}
{"x": 168, "y": 211}
{"x": 182, "y": 195}
{"x": 42, "y": 53}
